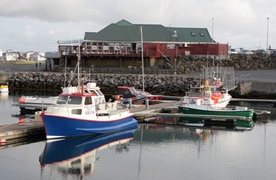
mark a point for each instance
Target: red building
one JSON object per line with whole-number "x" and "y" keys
{"x": 123, "y": 41}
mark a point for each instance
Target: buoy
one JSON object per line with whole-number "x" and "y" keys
{"x": 118, "y": 98}
{"x": 199, "y": 132}
{"x": 21, "y": 120}
{"x": 21, "y": 100}
{"x": 2, "y": 141}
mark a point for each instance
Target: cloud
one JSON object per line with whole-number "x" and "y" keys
{"x": 241, "y": 23}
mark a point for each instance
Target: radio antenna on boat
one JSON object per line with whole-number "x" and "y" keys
{"x": 78, "y": 63}
{"x": 142, "y": 53}
{"x": 71, "y": 50}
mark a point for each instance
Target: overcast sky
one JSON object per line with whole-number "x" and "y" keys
{"x": 37, "y": 25}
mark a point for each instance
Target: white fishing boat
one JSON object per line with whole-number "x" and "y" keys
{"x": 4, "y": 77}
{"x": 210, "y": 97}
{"x": 4, "y": 88}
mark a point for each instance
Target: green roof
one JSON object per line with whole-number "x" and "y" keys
{"x": 126, "y": 31}
{"x": 89, "y": 35}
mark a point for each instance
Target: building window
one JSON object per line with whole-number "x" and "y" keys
{"x": 193, "y": 34}
{"x": 201, "y": 34}
{"x": 170, "y": 46}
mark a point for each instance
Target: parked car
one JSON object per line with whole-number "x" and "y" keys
{"x": 246, "y": 52}
{"x": 273, "y": 53}
{"x": 233, "y": 51}
{"x": 261, "y": 52}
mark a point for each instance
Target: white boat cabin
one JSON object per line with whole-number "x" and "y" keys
{"x": 85, "y": 100}
{"x": 89, "y": 91}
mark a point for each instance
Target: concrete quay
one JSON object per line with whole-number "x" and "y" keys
{"x": 256, "y": 84}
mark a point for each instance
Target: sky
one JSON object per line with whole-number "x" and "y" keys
{"x": 37, "y": 25}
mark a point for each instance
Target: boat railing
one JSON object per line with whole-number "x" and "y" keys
{"x": 117, "y": 112}
{"x": 243, "y": 78}
{"x": 61, "y": 101}
{"x": 110, "y": 106}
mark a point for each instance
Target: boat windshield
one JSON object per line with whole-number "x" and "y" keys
{"x": 99, "y": 92}
{"x": 69, "y": 100}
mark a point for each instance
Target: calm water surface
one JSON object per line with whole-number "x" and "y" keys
{"x": 152, "y": 152}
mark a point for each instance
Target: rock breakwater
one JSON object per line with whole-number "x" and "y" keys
{"x": 156, "y": 84}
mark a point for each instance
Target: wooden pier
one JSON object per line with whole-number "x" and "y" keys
{"x": 20, "y": 133}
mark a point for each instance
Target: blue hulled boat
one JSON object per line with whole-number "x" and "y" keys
{"x": 81, "y": 111}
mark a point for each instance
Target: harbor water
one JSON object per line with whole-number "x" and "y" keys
{"x": 150, "y": 152}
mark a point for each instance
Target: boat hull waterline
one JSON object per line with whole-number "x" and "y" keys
{"x": 244, "y": 117}
{"x": 62, "y": 126}
{"x": 221, "y": 112}
{"x": 237, "y": 123}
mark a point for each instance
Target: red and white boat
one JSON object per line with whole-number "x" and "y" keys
{"x": 151, "y": 97}
{"x": 136, "y": 96}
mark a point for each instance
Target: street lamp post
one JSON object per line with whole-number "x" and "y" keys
{"x": 212, "y": 30}
{"x": 175, "y": 65}
{"x": 267, "y": 33}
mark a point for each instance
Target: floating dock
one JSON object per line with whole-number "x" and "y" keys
{"x": 21, "y": 133}
{"x": 33, "y": 129}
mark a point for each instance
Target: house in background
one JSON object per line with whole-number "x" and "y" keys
{"x": 37, "y": 57}
{"x": 11, "y": 55}
{"x": 1, "y": 54}
{"x": 120, "y": 45}
{"x": 52, "y": 60}
{"x": 29, "y": 54}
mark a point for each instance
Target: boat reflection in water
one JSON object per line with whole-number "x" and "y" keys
{"x": 4, "y": 96}
{"x": 76, "y": 156}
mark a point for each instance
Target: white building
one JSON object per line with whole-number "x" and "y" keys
{"x": 11, "y": 55}
{"x": 52, "y": 59}
{"x": 38, "y": 57}
{"x": 29, "y": 54}
{"x": 1, "y": 54}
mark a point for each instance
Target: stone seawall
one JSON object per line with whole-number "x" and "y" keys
{"x": 156, "y": 84}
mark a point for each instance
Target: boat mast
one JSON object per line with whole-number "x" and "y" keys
{"x": 142, "y": 51}
{"x": 78, "y": 64}
{"x": 65, "y": 67}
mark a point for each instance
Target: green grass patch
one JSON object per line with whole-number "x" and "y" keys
{"x": 20, "y": 62}
{"x": 25, "y": 62}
